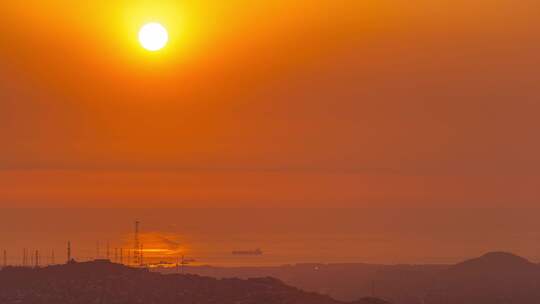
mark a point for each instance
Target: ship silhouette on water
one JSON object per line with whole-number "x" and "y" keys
{"x": 255, "y": 252}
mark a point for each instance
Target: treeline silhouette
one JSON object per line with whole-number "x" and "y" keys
{"x": 493, "y": 278}
{"x": 102, "y": 282}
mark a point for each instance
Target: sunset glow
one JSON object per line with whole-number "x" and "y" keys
{"x": 268, "y": 104}
{"x": 275, "y": 151}
{"x": 153, "y": 36}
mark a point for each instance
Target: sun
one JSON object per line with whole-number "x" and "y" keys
{"x": 153, "y": 36}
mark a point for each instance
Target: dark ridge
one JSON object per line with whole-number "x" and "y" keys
{"x": 104, "y": 282}
{"x": 370, "y": 300}
{"x": 496, "y": 277}
{"x": 496, "y": 261}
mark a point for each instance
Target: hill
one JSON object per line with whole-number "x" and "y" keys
{"x": 496, "y": 277}
{"x": 494, "y": 262}
{"x": 346, "y": 281}
{"x": 107, "y": 283}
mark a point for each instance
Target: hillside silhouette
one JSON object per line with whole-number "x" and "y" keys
{"x": 103, "y": 282}
{"x": 494, "y": 262}
{"x": 496, "y": 277}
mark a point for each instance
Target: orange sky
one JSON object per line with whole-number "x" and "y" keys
{"x": 270, "y": 103}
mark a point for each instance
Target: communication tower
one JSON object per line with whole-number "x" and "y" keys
{"x": 136, "y": 253}
{"x": 69, "y": 251}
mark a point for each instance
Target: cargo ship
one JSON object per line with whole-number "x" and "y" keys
{"x": 248, "y": 252}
